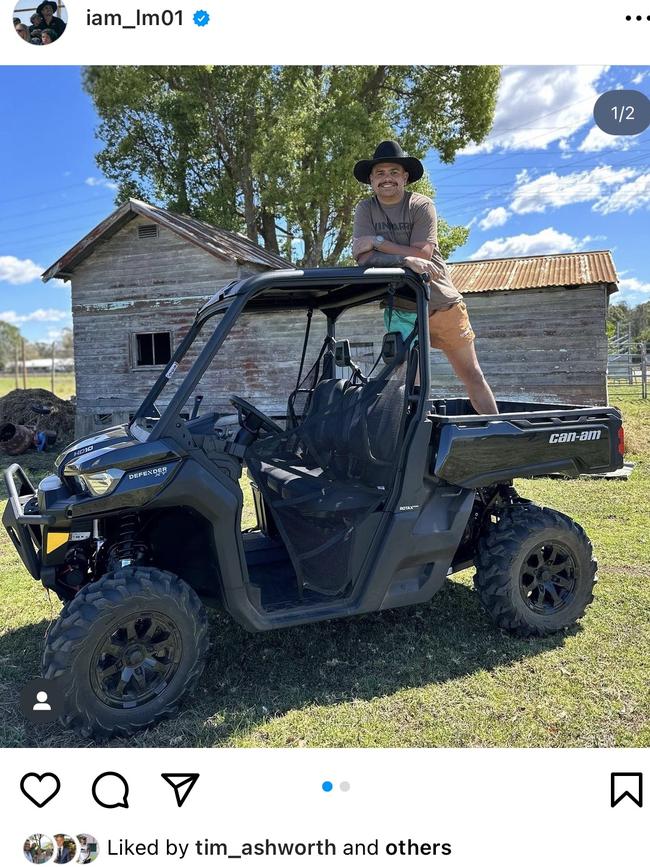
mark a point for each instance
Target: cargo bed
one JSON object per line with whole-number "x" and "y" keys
{"x": 525, "y": 440}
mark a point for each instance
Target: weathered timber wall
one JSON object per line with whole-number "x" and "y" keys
{"x": 532, "y": 345}
{"x": 548, "y": 344}
{"x": 131, "y": 285}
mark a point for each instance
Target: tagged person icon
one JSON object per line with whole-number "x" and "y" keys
{"x": 41, "y": 702}
{"x": 41, "y": 699}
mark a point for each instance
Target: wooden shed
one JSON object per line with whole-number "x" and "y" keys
{"x": 137, "y": 281}
{"x": 540, "y": 323}
{"x": 139, "y": 277}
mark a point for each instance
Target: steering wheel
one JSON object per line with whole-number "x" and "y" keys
{"x": 252, "y": 419}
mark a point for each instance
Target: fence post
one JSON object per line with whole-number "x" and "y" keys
{"x": 630, "y": 371}
{"x": 24, "y": 363}
{"x": 644, "y": 371}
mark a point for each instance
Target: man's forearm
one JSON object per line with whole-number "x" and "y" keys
{"x": 401, "y": 250}
{"x": 376, "y": 257}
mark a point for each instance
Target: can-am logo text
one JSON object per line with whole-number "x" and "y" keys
{"x": 573, "y": 436}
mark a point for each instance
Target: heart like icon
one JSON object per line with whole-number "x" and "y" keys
{"x": 40, "y": 788}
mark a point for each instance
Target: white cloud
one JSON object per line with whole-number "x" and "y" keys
{"x": 630, "y": 197}
{"x": 495, "y": 217}
{"x": 631, "y": 286}
{"x": 39, "y": 315}
{"x": 18, "y": 271}
{"x": 54, "y": 335}
{"x": 547, "y": 241}
{"x": 101, "y": 182}
{"x": 597, "y": 140}
{"x": 537, "y": 106}
{"x": 555, "y": 191}
{"x": 640, "y": 77}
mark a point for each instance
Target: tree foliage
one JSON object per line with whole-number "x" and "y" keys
{"x": 621, "y": 316}
{"x": 269, "y": 151}
{"x": 9, "y": 340}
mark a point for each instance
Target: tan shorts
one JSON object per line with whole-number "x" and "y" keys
{"x": 450, "y": 328}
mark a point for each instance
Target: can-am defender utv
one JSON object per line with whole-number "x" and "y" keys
{"x": 368, "y": 496}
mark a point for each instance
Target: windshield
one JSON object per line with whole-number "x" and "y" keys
{"x": 265, "y": 355}
{"x": 170, "y": 380}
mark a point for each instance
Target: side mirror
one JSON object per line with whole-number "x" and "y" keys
{"x": 342, "y": 355}
{"x": 391, "y": 346}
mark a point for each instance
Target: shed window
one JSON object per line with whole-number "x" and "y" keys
{"x": 148, "y": 231}
{"x": 153, "y": 348}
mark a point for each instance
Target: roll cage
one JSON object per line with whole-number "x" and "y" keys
{"x": 332, "y": 290}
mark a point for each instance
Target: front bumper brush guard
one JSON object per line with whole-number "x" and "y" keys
{"x": 23, "y": 529}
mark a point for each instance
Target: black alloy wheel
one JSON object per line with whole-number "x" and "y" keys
{"x": 136, "y": 661}
{"x": 548, "y": 578}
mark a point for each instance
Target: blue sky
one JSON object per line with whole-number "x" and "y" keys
{"x": 546, "y": 180}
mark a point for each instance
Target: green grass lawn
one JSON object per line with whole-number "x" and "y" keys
{"x": 64, "y": 384}
{"x": 437, "y": 675}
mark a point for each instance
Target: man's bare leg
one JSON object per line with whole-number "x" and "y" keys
{"x": 466, "y": 367}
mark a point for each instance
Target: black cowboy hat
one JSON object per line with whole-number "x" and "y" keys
{"x": 52, "y": 3}
{"x": 389, "y": 152}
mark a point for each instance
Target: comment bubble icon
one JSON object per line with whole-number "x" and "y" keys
{"x": 111, "y": 790}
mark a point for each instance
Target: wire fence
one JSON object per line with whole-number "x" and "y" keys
{"x": 627, "y": 369}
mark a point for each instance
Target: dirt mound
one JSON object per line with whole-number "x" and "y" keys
{"x": 22, "y": 405}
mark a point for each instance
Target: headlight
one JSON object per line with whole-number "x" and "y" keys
{"x": 100, "y": 484}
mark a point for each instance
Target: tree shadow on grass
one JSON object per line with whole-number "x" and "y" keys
{"x": 251, "y": 678}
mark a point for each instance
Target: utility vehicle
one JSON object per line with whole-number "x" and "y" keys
{"x": 369, "y": 492}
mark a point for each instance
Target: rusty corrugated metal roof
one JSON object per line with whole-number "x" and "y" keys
{"x": 535, "y": 272}
{"x": 221, "y": 243}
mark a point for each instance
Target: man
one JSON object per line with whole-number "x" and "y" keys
{"x": 36, "y": 23}
{"x": 62, "y": 853}
{"x": 51, "y": 22}
{"x": 399, "y": 227}
{"x": 85, "y": 856}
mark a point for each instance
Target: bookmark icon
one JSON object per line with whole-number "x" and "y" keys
{"x": 626, "y": 784}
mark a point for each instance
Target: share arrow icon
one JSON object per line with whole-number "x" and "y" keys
{"x": 182, "y": 784}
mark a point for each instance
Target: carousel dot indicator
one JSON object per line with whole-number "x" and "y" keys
{"x": 327, "y": 786}
{"x": 344, "y": 786}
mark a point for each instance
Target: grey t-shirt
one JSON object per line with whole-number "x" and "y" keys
{"x": 411, "y": 221}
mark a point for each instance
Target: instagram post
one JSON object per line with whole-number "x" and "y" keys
{"x": 324, "y": 442}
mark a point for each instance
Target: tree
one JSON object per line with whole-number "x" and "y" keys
{"x": 640, "y": 318}
{"x": 65, "y": 344}
{"x": 9, "y": 340}
{"x": 618, "y": 315}
{"x": 269, "y": 150}
{"x": 637, "y": 318}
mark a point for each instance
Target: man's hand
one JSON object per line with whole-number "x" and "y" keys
{"x": 422, "y": 266}
{"x": 362, "y": 245}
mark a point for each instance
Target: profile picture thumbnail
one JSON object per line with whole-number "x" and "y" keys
{"x": 38, "y": 849}
{"x": 65, "y": 849}
{"x": 88, "y": 849}
{"x": 40, "y": 24}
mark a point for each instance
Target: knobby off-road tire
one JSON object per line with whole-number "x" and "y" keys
{"x": 127, "y": 648}
{"x": 535, "y": 572}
